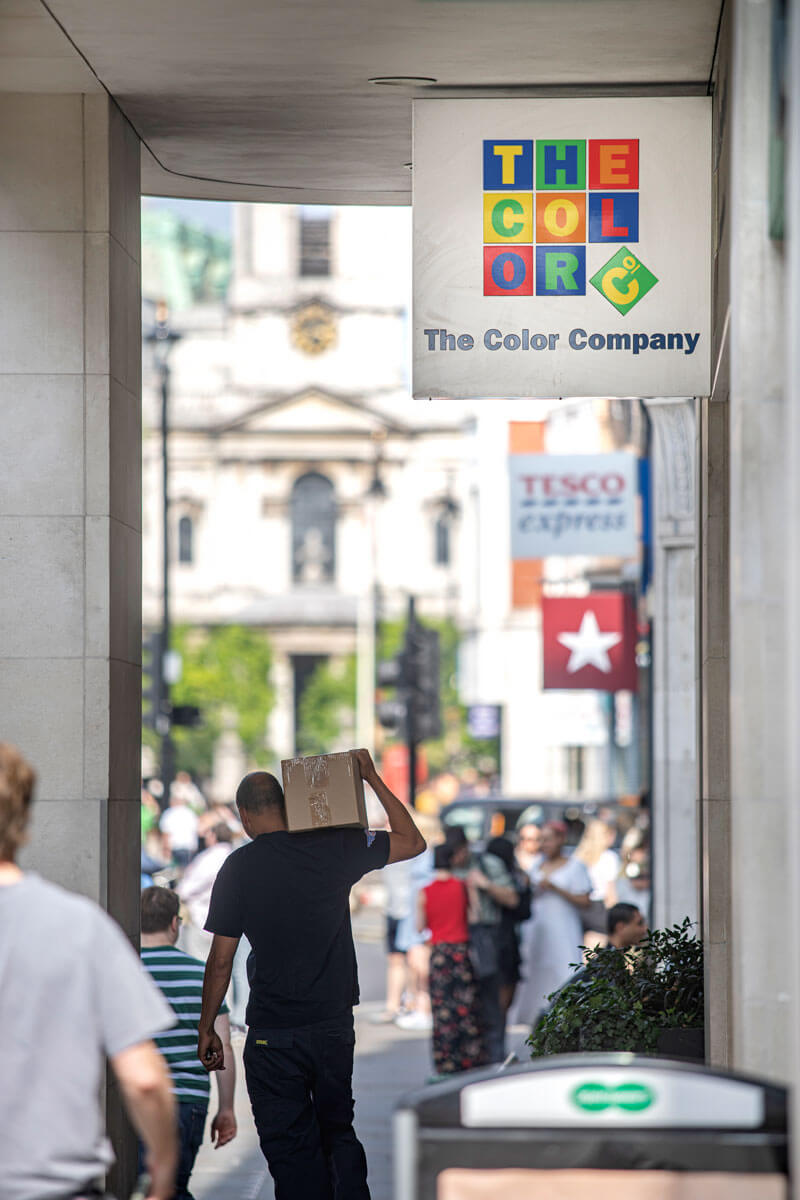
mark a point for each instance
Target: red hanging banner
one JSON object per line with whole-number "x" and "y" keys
{"x": 590, "y": 642}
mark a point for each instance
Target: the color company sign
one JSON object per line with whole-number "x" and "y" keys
{"x": 561, "y": 247}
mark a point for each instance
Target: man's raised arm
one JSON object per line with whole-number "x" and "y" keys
{"x": 405, "y": 840}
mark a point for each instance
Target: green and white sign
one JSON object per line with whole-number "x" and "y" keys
{"x": 616, "y": 1096}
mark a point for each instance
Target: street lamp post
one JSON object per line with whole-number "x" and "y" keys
{"x": 162, "y": 338}
{"x": 367, "y": 616}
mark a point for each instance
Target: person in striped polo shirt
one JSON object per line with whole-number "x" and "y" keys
{"x": 180, "y": 978}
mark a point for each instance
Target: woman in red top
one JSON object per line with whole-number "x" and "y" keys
{"x": 443, "y": 908}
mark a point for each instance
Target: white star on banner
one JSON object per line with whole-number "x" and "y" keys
{"x": 589, "y": 647}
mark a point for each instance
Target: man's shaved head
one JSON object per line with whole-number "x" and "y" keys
{"x": 260, "y": 792}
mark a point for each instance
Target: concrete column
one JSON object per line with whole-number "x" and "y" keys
{"x": 675, "y": 821}
{"x": 713, "y": 601}
{"x": 70, "y": 484}
{"x": 792, "y": 366}
{"x": 763, "y": 862}
{"x": 714, "y": 731}
{"x": 281, "y": 719}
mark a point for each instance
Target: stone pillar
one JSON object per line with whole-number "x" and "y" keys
{"x": 763, "y": 862}
{"x": 281, "y": 719}
{"x": 713, "y": 743}
{"x": 675, "y": 821}
{"x": 70, "y": 496}
{"x": 70, "y": 484}
{"x": 713, "y": 603}
{"x": 792, "y": 366}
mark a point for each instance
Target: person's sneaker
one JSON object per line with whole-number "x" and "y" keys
{"x": 383, "y": 1018}
{"x": 417, "y": 1021}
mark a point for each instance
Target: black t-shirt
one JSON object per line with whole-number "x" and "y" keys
{"x": 288, "y": 893}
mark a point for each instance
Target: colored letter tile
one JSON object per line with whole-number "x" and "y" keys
{"x": 561, "y": 217}
{"x": 508, "y": 166}
{"x": 614, "y": 217}
{"x": 561, "y": 166}
{"x": 560, "y": 270}
{"x": 613, "y": 164}
{"x": 507, "y": 217}
{"x": 508, "y": 272}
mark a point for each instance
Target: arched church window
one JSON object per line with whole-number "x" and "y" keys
{"x": 186, "y": 540}
{"x": 441, "y": 532}
{"x": 313, "y": 510}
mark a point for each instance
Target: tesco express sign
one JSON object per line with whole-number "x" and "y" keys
{"x": 573, "y": 504}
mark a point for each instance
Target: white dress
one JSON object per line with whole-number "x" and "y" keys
{"x": 552, "y": 938}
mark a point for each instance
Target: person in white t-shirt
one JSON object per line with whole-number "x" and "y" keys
{"x": 179, "y": 826}
{"x": 194, "y": 888}
{"x": 72, "y": 991}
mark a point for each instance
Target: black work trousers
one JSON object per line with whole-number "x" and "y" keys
{"x": 492, "y": 1018}
{"x": 300, "y": 1083}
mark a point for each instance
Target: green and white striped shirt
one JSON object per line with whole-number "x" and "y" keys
{"x": 180, "y": 978}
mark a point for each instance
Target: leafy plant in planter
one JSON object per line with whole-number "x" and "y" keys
{"x": 627, "y": 999}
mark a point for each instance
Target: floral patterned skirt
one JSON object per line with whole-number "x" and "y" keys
{"x": 457, "y": 1041}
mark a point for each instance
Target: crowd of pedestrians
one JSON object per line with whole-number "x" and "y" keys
{"x": 504, "y": 927}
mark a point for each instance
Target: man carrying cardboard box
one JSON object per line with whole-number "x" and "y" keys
{"x": 289, "y": 894}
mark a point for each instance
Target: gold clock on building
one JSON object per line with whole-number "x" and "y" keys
{"x": 313, "y": 328}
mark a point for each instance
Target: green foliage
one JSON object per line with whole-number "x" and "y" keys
{"x": 327, "y": 707}
{"x": 226, "y": 673}
{"x": 624, "y": 999}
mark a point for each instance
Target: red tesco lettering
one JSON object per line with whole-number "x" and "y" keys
{"x": 591, "y": 484}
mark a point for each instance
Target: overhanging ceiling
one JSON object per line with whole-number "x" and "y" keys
{"x": 260, "y": 100}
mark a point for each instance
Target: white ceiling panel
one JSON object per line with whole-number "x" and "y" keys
{"x": 261, "y": 99}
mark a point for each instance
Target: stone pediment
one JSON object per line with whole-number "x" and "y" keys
{"x": 313, "y": 411}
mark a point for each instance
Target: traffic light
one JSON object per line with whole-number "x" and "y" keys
{"x": 152, "y": 683}
{"x": 422, "y": 667}
{"x": 392, "y": 713}
{"x": 391, "y": 672}
{"x": 188, "y": 715}
{"x": 415, "y": 674}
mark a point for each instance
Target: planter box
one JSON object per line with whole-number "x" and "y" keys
{"x": 682, "y": 1043}
{"x": 675, "y": 1042}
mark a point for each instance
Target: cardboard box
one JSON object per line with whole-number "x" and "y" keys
{"x": 324, "y": 791}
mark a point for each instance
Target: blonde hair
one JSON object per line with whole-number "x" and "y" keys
{"x": 17, "y": 779}
{"x": 597, "y": 838}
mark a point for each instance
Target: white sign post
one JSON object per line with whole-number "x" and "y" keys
{"x": 562, "y": 247}
{"x": 564, "y": 504}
